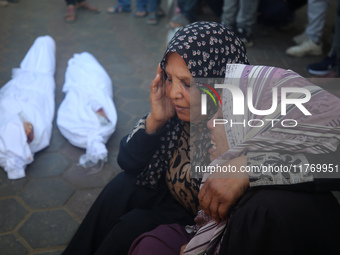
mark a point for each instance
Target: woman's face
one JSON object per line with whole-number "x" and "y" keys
{"x": 218, "y": 136}
{"x": 178, "y": 89}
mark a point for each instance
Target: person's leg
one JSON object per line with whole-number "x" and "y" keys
{"x": 245, "y": 19}
{"x": 246, "y": 16}
{"x": 126, "y": 4}
{"x": 152, "y": 18}
{"x": 128, "y": 228}
{"x": 159, "y": 11}
{"x": 153, "y": 5}
{"x": 165, "y": 240}
{"x": 317, "y": 11}
{"x": 162, "y": 209}
{"x": 121, "y": 6}
{"x": 230, "y": 8}
{"x": 119, "y": 196}
{"x": 309, "y": 43}
{"x": 142, "y": 6}
{"x": 70, "y": 15}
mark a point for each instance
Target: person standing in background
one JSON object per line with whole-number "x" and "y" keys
{"x": 309, "y": 42}
{"x": 326, "y": 66}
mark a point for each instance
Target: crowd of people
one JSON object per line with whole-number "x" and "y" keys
{"x": 240, "y": 16}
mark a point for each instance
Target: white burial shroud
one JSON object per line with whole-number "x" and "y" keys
{"x": 88, "y": 91}
{"x": 28, "y": 96}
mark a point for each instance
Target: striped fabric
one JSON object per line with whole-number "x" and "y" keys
{"x": 316, "y": 134}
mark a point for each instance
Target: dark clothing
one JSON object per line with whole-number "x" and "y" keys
{"x": 330, "y": 180}
{"x": 110, "y": 228}
{"x": 274, "y": 221}
{"x": 300, "y": 218}
{"x": 164, "y": 240}
{"x": 278, "y": 11}
{"x": 73, "y": 2}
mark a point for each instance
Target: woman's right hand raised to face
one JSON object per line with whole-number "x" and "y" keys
{"x": 161, "y": 107}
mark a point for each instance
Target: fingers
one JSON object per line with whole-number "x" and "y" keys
{"x": 159, "y": 69}
{"x": 205, "y": 198}
{"x": 182, "y": 249}
{"x": 205, "y": 203}
{"x": 201, "y": 193}
{"x": 214, "y": 207}
{"x": 223, "y": 211}
{"x": 157, "y": 81}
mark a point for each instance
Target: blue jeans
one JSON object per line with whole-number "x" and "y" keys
{"x": 126, "y": 5}
{"x": 153, "y": 4}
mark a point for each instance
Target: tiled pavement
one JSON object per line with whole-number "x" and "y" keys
{"x": 39, "y": 214}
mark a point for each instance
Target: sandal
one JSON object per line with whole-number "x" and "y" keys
{"x": 87, "y": 6}
{"x": 141, "y": 14}
{"x": 117, "y": 9}
{"x": 70, "y": 15}
{"x": 152, "y": 19}
{"x": 178, "y": 21}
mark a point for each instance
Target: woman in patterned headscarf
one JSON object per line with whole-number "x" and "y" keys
{"x": 261, "y": 222}
{"x": 155, "y": 187}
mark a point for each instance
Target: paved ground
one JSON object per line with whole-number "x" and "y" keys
{"x": 39, "y": 214}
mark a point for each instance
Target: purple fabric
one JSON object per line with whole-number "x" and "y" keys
{"x": 165, "y": 240}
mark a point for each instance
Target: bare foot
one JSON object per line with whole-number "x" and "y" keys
{"x": 141, "y": 14}
{"x": 70, "y": 15}
{"x": 87, "y": 6}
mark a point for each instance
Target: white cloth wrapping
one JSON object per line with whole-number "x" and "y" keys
{"x": 88, "y": 88}
{"x": 28, "y": 96}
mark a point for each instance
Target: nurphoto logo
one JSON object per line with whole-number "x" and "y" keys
{"x": 239, "y": 105}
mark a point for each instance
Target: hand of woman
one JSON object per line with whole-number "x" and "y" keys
{"x": 222, "y": 190}
{"x": 161, "y": 108}
{"x": 182, "y": 249}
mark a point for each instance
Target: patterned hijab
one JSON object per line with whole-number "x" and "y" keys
{"x": 206, "y": 48}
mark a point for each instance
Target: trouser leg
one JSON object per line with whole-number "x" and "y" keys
{"x": 317, "y": 11}
{"x": 246, "y": 16}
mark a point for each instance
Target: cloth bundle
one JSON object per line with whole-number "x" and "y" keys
{"x": 27, "y": 100}
{"x": 87, "y": 116}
